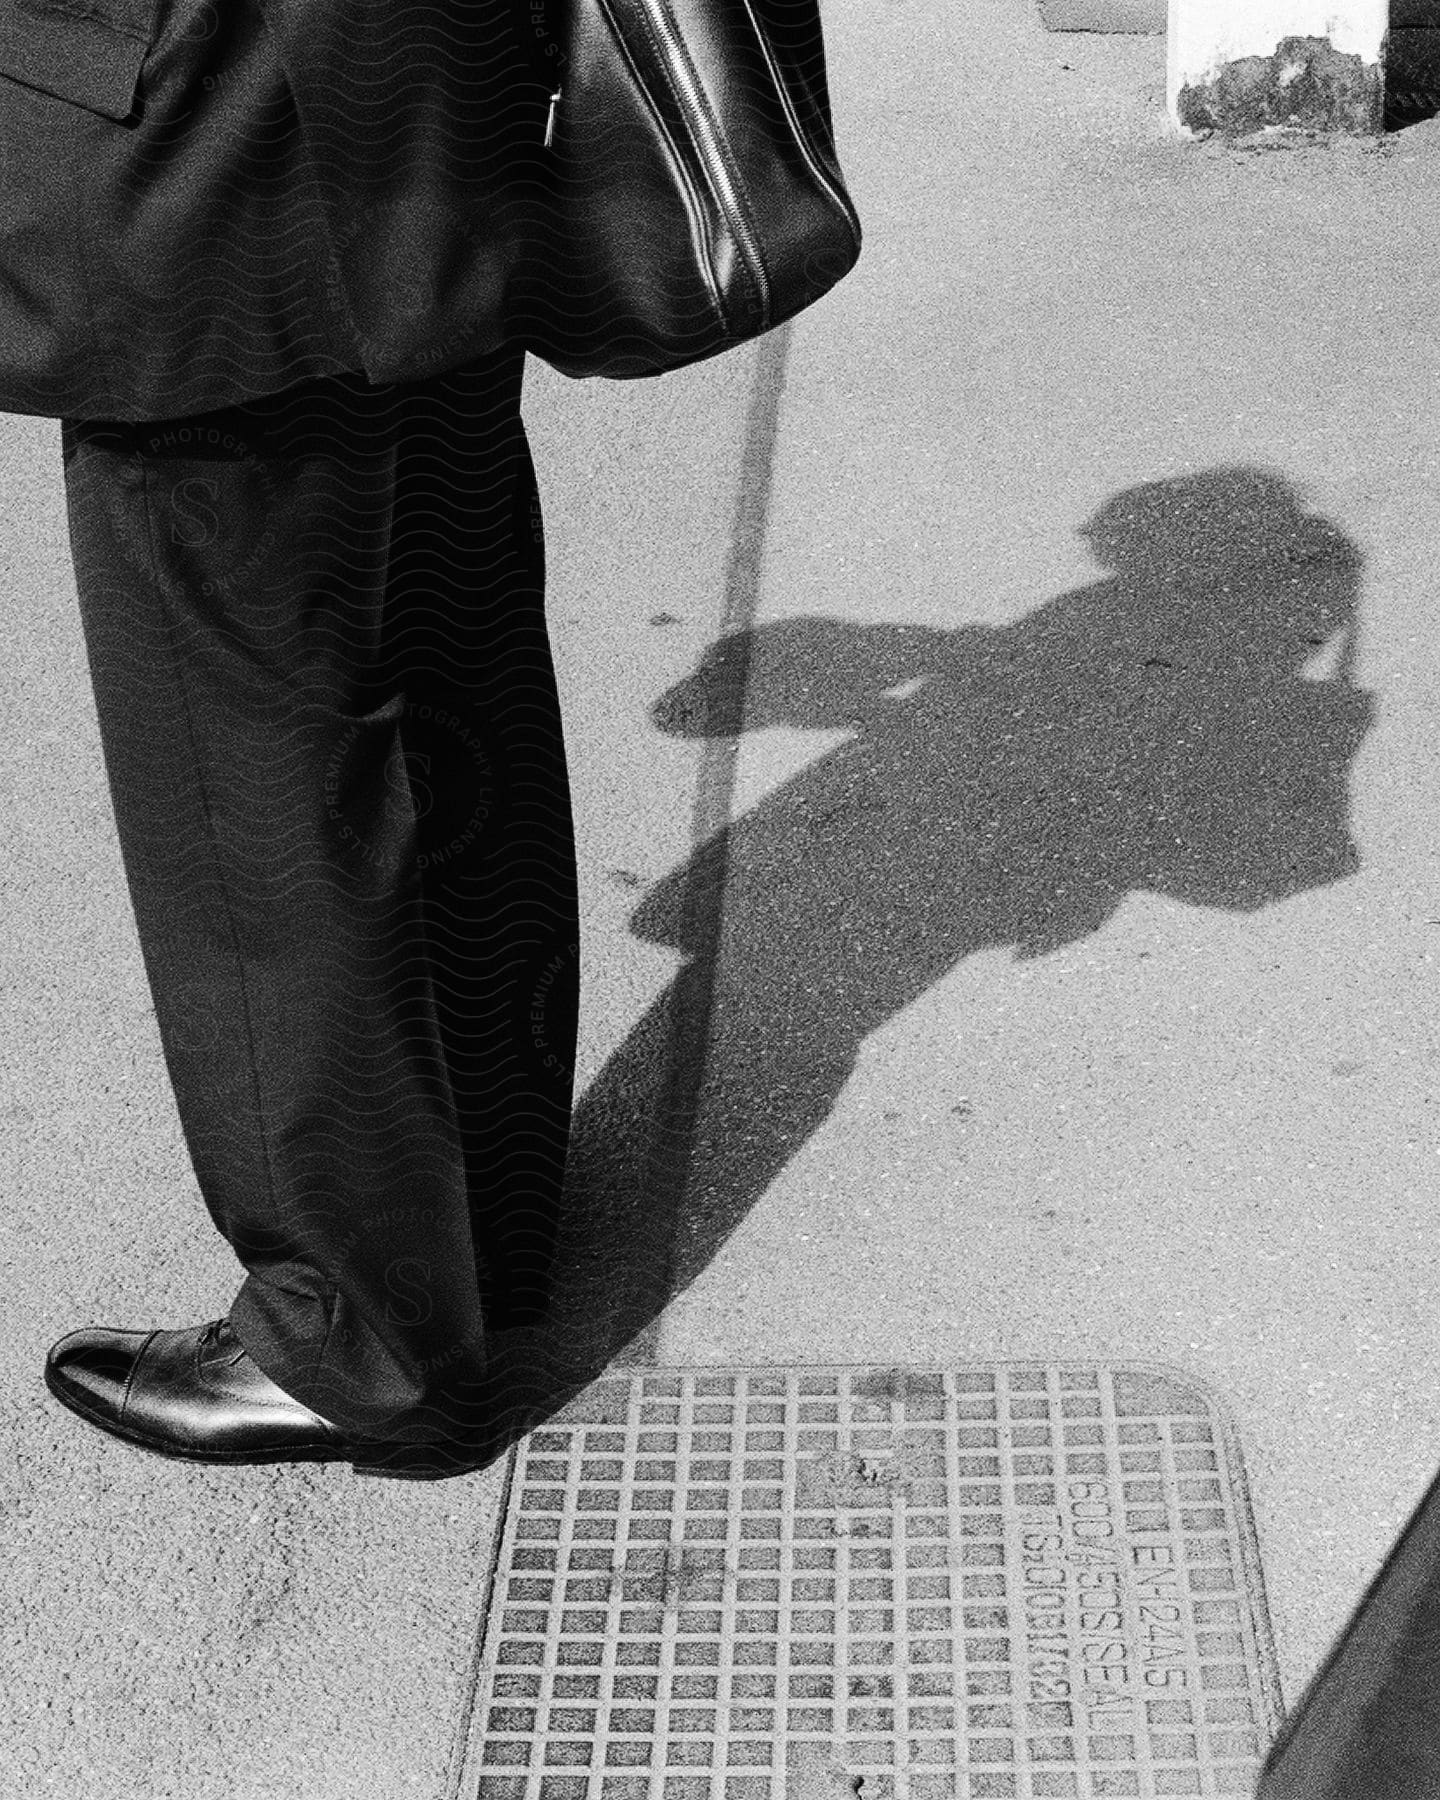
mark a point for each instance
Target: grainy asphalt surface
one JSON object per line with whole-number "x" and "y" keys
{"x": 1073, "y": 990}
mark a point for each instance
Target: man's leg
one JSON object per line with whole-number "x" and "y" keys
{"x": 347, "y": 906}
{"x": 465, "y": 638}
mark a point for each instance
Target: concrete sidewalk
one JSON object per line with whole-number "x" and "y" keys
{"x": 956, "y": 1043}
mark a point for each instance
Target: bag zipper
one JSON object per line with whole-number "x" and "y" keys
{"x": 683, "y": 78}
{"x": 687, "y": 90}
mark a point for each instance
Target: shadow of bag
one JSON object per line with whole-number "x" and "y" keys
{"x": 690, "y": 196}
{"x": 1251, "y": 805}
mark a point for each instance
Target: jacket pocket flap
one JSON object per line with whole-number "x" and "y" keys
{"x": 75, "y": 55}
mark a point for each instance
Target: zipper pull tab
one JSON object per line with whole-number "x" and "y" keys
{"x": 550, "y": 121}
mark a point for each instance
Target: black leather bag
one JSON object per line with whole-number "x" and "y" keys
{"x": 690, "y": 197}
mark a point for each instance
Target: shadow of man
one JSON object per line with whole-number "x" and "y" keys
{"x": 1164, "y": 730}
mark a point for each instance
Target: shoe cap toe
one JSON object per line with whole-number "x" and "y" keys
{"x": 93, "y": 1366}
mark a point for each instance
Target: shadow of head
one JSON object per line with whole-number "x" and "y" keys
{"x": 1230, "y": 567}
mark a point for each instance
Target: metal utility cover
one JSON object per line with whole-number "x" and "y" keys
{"x": 1015, "y": 1580}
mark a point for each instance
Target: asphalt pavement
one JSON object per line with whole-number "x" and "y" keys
{"x": 1046, "y": 967}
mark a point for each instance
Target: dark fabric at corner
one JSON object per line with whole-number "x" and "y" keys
{"x": 204, "y": 205}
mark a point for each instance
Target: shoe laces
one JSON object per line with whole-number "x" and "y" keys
{"x": 210, "y": 1348}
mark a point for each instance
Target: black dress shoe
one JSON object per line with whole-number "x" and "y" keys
{"x": 196, "y": 1394}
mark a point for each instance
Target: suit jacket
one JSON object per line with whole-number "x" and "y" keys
{"x": 205, "y": 201}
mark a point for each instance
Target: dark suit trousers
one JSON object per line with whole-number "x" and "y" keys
{"x": 331, "y": 730}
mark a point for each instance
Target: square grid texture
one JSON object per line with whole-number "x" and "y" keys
{"x": 918, "y": 1583}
